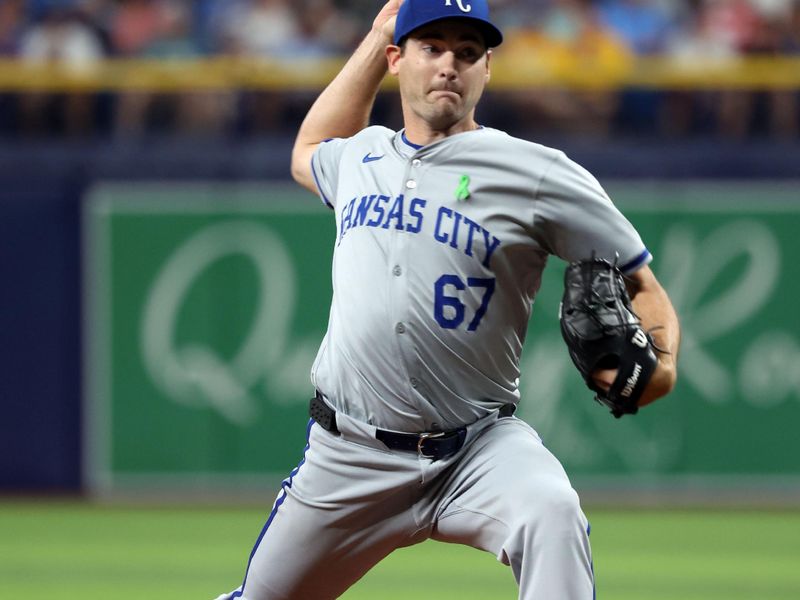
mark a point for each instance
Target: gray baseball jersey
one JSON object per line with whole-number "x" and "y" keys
{"x": 438, "y": 257}
{"x": 439, "y": 254}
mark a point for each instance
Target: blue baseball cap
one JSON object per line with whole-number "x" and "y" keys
{"x": 416, "y": 13}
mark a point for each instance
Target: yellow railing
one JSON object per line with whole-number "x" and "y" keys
{"x": 508, "y": 73}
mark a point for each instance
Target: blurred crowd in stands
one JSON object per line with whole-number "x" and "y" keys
{"x": 80, "y": 32}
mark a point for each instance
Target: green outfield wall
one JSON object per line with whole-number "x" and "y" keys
{"x": 205, "y": 304}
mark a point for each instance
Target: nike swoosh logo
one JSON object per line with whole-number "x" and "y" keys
{"x": 368, "y": 158}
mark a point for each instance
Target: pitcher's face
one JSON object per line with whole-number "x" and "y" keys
{"x": 442, "y": 71}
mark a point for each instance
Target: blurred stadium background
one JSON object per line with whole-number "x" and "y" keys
{"x": 165, "y": 287}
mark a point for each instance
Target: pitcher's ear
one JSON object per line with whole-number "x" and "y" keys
{"x": 393, "y": 56}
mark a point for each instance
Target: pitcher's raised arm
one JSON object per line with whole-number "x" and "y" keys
{"x": 343, "y": 108}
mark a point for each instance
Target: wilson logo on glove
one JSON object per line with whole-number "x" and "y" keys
{"x": 631, "y": 382}
{"x": 640, "y": 338}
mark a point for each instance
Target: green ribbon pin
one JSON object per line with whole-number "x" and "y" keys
{"x": 462, "y": 192}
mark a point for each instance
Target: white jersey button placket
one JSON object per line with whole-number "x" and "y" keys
{"x": 412, "y": 182}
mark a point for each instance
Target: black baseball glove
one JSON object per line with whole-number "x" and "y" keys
{"x": 602, "y": 332}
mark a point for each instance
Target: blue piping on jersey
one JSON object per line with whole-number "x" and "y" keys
{"x": 410, "y": 143}
{"x": 417, "y": 146}
{"x": 636, "y": 262}
{"x": 287, "y": 484}
{"x": 316, "y": 182}
{"x": 591, "y": 564}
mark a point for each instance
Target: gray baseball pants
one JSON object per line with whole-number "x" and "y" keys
{"x": 351, "y": 502}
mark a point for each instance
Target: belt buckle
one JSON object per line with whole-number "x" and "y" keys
{"x": 421, "y": 442}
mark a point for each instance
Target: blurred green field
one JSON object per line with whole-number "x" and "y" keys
{"x": 75, "y": 550}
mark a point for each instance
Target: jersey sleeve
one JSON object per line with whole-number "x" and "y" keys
{"x": 325, "y": 168}
{"x": 575, "y": 219}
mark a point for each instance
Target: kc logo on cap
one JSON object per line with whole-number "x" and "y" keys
{"x": 461, "y": 5}
{"x": 416, "y": 13}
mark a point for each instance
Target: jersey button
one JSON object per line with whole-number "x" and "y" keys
{"x": 411, "y": 184}
{"x": 414, "y": 382}
{"x": 397, "y": 271}
{"x": 400, "y": 328}
{"x": 416, "y": 162}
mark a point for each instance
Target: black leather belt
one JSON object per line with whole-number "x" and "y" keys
{"x": 435, "y": 445}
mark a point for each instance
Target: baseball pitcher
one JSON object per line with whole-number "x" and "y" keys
{"x": 442, "y": 232}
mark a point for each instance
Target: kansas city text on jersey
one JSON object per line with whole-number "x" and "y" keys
{"x": 451, "y": 227}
